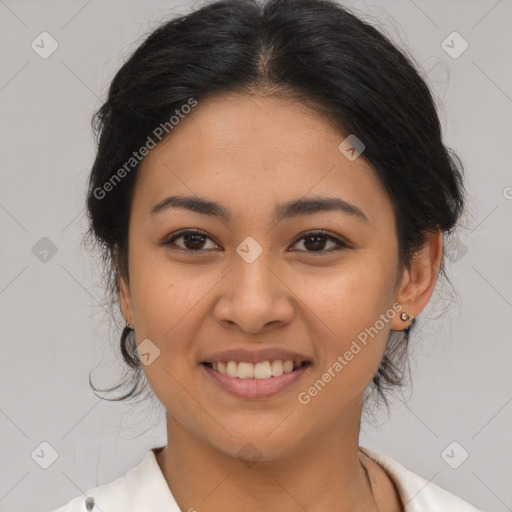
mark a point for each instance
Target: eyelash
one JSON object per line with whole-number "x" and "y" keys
{"x": 341, "y": 244}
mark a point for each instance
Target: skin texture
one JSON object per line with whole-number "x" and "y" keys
{"x": 249, "y": 153}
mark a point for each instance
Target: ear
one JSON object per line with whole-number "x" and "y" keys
{"x": 418, "y": 281}
{"x": 123, "y": 294}
{"x": 125, "y": 301}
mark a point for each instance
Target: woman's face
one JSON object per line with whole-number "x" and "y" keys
{"x": 256, "y": 280}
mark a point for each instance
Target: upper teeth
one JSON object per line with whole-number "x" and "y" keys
{"x": 262, "y": 370}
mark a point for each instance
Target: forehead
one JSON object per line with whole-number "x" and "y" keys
{"x": 235, "y": 148}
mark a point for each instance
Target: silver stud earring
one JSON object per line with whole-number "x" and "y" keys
{"x": 404, "y": 317}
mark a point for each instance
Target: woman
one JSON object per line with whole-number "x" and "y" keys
{"x": 272, "y": 192}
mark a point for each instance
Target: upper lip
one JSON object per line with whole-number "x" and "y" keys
{"x": 255, "y": 356}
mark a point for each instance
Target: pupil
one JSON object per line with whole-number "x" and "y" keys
{"x": 317, "y": 238}
{"x": 197, "y": 241}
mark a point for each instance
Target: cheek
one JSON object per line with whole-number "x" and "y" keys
{"x": 351, "y": 297}
{"x": 352, "y": 311}
{"x": 163, "y": 294}
{"x": 164, "y": 307}
{"x": 164, "y": 300}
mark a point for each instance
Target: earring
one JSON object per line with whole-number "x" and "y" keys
{"x": 404, "y": 317}
{"x": 127, "y": 326}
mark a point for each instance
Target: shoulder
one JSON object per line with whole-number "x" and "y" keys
{"x": 417, "y": 493}
{"x": 112, "y": 496}
{"x": 141, "y": 488}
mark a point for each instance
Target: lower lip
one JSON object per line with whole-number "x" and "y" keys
{"x": 255, "y": 388}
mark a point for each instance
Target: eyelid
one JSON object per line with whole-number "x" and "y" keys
{"x": 191, "y": 231}
{"x": 340, "y": 241}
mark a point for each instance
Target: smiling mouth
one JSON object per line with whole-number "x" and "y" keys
{"x": 261, "y": 371}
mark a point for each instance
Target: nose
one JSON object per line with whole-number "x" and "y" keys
{"x": 254, "y": 297}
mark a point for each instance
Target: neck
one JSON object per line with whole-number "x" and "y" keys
{"x": 322, "y": 473}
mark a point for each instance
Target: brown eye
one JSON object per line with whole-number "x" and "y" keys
{"x": 313, "y": 242}
{"x": 317, "y": 240}
{"x": 193, "y": 241}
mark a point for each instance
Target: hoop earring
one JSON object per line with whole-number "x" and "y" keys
{"x": 127, "y": 346}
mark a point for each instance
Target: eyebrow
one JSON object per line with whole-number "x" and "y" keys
{"x": 290, "y": 209}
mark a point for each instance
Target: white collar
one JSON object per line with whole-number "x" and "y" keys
{"x": 416, "y": 493}
{"x": 144, "y": 489}
{"x": 148, "y": 488}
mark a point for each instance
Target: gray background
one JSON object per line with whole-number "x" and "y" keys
{"x": 54, "y": 329}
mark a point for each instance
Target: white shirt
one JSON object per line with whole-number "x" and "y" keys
{"x": 144, "y": 489}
